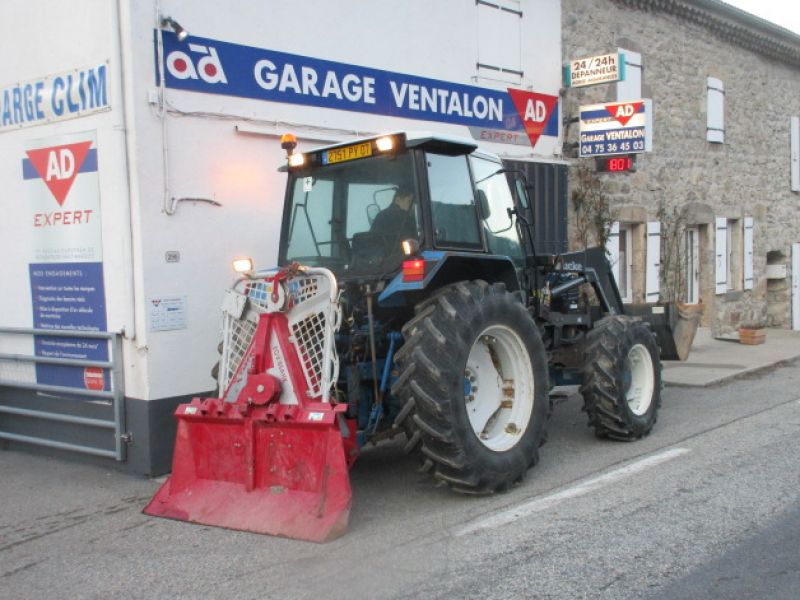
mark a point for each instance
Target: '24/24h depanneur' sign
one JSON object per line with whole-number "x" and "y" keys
{"x": 216, "y": 67}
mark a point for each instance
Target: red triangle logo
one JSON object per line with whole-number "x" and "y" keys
{"x": 534, "y": 110}
{"x": 58, "y": 166}
{"x": 624, "y": 111}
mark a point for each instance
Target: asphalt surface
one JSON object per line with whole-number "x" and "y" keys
{"x": 708, "y": 505}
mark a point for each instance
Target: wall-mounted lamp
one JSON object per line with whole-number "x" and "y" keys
{"x": 180, "y": 32}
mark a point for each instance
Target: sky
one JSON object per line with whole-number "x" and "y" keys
{"x": 785, "y": 13}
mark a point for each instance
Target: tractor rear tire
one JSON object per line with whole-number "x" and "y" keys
{"x": 621, "y": 378}
{"x": 474, "y": 382}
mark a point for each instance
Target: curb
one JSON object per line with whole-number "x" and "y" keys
{"x": 759, "y": 370}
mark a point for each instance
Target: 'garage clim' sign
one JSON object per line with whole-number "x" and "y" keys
{"x": 65, "y": 95}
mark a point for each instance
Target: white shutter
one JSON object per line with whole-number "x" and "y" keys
{"x": 794, "y": 153}
{"x": 648, "y": 125}
{"x": 652, "y": 274}
{"x": 612, "y": 249}
{"x": 630, "y": 88}
{"x": 715, "y": 113}
{"x": 748, "y": 253}
{"x": 722, "y": 255}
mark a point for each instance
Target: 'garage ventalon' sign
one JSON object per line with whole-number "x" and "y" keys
{"x": 215, "y": 67}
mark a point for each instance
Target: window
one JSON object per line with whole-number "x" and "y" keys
{"x": 715, "y": 117}
{"x": 495, "y": 198}
{"x": 625, "y": 258}
{"x": 311, "y": 216}
{"x": 500, "y": 56}
{"x": 734, "y": 257}
{"x": 620, "y": 252}
{"x": 631, "y": 87}
{"x": 455, "y": 219}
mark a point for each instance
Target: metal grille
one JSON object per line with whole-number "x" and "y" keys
{"x": 309, "y": 337}
{"x": 312, "y": 318}
{"x": 258, "y": 292}
{"x": 238, "y": 335}
{"x": 303, "y": 289}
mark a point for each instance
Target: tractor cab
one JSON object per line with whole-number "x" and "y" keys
{"x": 361, "y": 208}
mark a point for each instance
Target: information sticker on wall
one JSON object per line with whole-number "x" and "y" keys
{"x": 167, "y": 313}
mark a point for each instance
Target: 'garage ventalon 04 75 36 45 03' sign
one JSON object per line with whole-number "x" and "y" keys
{"x": 614, "y": 128}
{"x": 215, "y": 67}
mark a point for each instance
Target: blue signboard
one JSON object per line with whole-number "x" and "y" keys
{"x": 69, "y": 296}
{"x": 215, "y": 67}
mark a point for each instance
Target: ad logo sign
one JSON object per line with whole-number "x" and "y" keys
{"x": 181, "y": 66}
{"x": 58, "y": 166}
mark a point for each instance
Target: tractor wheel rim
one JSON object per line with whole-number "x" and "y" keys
{"x": 639, "y": 393}
{"x": 498, "y": 388}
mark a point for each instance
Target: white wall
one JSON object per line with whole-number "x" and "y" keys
{"x": 209, "y": 158}
{"x": 39, "y": 39}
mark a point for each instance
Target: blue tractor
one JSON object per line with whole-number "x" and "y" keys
{"x": 454, "y": 329}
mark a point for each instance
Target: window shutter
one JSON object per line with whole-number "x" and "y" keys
{"x": 794, "y": 135}
{"x": 631, "y": 87}
{"x": 715, "y": 113}
{"x": 500, "y": 56}
{"x": 722, "y": 255}
{"x": 612, "y": 249}
{"x": 652, "y": 283}
{"x": 748, "y": 253}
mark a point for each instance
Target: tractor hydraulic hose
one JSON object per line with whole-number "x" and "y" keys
{"x": 394, "y": 337}
{"x": 565, "y": 287}
{"x": 373, "y": 354}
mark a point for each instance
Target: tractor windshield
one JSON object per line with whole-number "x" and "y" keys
{"x": 351, "y": 217}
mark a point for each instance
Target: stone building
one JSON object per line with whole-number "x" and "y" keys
{"x": 721, "y": 182}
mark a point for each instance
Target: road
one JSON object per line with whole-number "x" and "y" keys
{"x": 706, "y": 506}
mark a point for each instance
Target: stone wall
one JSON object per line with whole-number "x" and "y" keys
{"x": 748, "y": 175}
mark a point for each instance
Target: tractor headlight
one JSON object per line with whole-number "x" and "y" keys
{"x": 384, "y": 144}
{"x": 297, "y": 160}
{"x": 243, "y": 265}
{"x": 410, "y": 247}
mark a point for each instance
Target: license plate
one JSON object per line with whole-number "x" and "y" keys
{"x": 353, "y": 152}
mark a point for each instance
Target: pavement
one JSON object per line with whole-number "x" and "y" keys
{"x": 713, "y": 361}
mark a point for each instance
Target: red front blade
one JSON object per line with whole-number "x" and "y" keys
{"x": 287, "y": 479}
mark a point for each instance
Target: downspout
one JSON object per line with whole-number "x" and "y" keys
{"x": 133, "y": 241}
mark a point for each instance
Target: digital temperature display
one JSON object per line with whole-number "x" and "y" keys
{"x": 616, "y": 164}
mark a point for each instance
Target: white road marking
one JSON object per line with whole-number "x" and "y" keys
{"x": 520, "y": 511}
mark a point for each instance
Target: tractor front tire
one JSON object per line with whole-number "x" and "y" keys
{"x": 621, "y": 378}
{"x": 474, "y": 382}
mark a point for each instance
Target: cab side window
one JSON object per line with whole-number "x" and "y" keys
{"x": 495, "y": 199}
{"x": 455, "y": 219}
